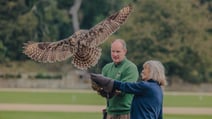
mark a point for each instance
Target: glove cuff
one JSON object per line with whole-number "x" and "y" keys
{"x": 117, "y": 85}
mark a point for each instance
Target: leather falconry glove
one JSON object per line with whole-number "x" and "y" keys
{"x": 95, "y": 86}
{"x": 104, "y": 82}
{"x": 101, "y": 91}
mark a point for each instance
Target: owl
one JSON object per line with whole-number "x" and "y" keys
{"x": 82, "y": 46}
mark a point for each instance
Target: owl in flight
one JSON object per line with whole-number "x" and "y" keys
{"x": 82, "y": 46}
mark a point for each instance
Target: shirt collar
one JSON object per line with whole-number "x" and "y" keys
{"x": 153, "y": 81}
{"x": 120, "y": 63}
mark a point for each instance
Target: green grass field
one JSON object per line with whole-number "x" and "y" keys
{"x": 78, "y": 115}
{"x": 90, "y": 98}
{"x": 188, "y": 100}
{"x": 51, "y": 98}
{"x": 48, "y": 115}
{"x": 187, "y": 116}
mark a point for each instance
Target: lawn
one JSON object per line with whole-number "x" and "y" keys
{"x": 187, "y": 116}
{"x": 51, "y": 98}
{"x": 48, "y": 115}
{"x": 187, "y": 100}
{"x": 92, "y": 98}
{"x": 78, "y": 115}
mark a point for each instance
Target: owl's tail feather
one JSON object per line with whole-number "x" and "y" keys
{"x": 86, "y": 57}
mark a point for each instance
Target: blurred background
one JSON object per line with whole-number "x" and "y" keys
{"x": 176, "y": 32}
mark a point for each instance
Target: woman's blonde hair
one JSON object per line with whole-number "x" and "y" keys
{"x": 157, "y": 71}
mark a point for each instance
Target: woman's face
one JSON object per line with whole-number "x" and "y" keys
{"x": 145, "y": 72}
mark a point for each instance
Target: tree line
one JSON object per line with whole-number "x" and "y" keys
{"x": 176, "y": 32}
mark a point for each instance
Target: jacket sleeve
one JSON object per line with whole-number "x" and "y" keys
{"x": 136, "y": 88}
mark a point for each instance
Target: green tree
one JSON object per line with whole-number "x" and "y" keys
{"x": 174, "y": 32}
{"x": 12, "y": 31}
{"x": 24, "y": 20}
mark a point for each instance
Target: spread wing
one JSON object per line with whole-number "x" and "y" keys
{"x": 82, "y": 45}
{"x": 50, "y": 51}
{"x": 100, "y": 32}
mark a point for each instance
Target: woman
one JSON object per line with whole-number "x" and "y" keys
{"x": 148, "y": 94}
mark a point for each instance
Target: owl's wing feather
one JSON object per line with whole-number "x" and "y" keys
{"x": 82, "y": 45}
{"x": 49, "y": 51}
{"x": 100, "y": 32}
